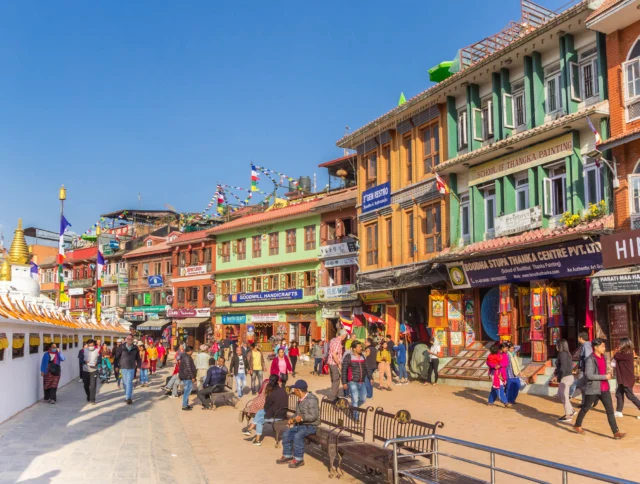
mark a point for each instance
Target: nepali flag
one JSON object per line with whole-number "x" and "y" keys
{"x": 440, "y": 185}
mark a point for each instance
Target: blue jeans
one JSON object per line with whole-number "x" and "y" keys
{"x": 402, "y": 371}
{"x": 513, "y": 388}
{"x": 187, "y": 386}
{"x": 127, "y": 381}
{"x": 358, "y": 392}
{"x": 317, "y": 366}
{"x": 495, "y": 393}
{"x": 256, "y": 380}
{"x": 259, "y": 421}
{"x": 293, "y": 441}
{"x": 241, "y": 381}
{"x": 368, "y": 383}
{"x": 144, "y": 375}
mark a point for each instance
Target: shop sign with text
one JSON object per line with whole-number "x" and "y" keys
{"x": 337, "y": 293}
{"x": 333, "y": 250}
{"x": 376, "y": 197}
{"x": 147, "y": 309}
{"x": 155, "y": 281}
{"x": 234, "y": 318}
{"x": 521, "y": 221}
{"x": 619, "y": 283}
{"x": 621, "y": 249}
{"x": 346, "y": 261}
{"x": 193, "y": 270}
{"x": 134, "y": 317}
{"x": 76, "y": 291}
{"x": 249, "y": 297}
{"x": 80, "y": 283}
{"x": 264, "y": 318}
{"x": 189, "y": 313}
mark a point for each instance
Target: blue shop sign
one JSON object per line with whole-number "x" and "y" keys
{"x": 376, "y": 197}
{"x": 234, "y": 318}
{"x": 249, "y": 297}
{"x": 155, "y": 281}
{"x": 569, "y": 259}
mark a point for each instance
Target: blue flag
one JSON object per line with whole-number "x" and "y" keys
{"x": 34, "y": 270}
{"x": 64, "y": 225}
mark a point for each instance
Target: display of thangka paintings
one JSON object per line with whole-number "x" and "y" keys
{"x": 456, "y": 338}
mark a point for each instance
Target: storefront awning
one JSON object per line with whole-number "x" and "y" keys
{"x": 191, "y": 322}
{"x": 153, "y": 325}
{"x": 622, "y": 281}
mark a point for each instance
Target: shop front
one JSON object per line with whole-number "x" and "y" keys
{"x": 337, "y": 302}
{"x": 194, "y": 326}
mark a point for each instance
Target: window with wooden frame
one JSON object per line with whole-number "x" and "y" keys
{"x": 291, "y": 240}
{"x": 256, "y": 246}
{"x": 256, "y": 284}
{"x": 242, "y": 249}
{"x": 274, "y": 243}
{"x": 372, "y": 244}
{"x": 206, "y": 253}
{"x": 411, "y": 241}
{"x": 205, "y": 294}
{"x": 225, "y": 288}
{"x": 631, "y": 83}
{"x": 241, "y": 285}
{"x": 181, "y": 294}
{"x": 386, "y": 153}
{"x": 389, "y": 229}
{"x": 289, "y": 280}
{"x": 463, "y": 137}
{"x": 182, "y": 259}
{"x": 157, "y": 268}
{"x": 432, "y": 228}
{"x": 271, "y": 283}
{"x": 408, "y": 158}
{"x": 156, "y": 296}
{"x": 225, "y": 251}
{"x": 346, "y": 275}
{"x": 331, "y": 230}
{"x": 371, "y": 169}
{"x": 430, "y": 143}
{"x": 310, "y": 283}
{"x": 169, "y": 267}
{"x": 133, "y": 271}
{"x": 310, "y": 237}
{"x": 195, "y": 257}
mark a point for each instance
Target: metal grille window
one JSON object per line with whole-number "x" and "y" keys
{"x": 372, "y": 244}
{"x": 310, "y": 237}
{"x": 553, "y": 90}
{"x": 519, "y": 107}
{"x": 432, "y": 228}
{"x": 291, "y": 240}
{"x": 256, "y": 246}
{"x": 274, "y": 243}
{"x": 242, "y": 249}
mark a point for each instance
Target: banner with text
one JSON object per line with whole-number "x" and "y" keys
{"x": 249, "y": 297}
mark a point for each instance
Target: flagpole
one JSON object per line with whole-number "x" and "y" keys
{"x": 62, "y": 196}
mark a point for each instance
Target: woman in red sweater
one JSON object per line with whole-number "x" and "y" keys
{"x": 294, "y": 353}
{"x": 281, "y": 366}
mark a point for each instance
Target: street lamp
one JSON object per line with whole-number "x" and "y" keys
{"x": 597, "y": 155}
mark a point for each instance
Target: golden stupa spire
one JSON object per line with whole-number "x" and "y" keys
{"x": 5, "y": 272}
{"x": 19, "y": 251}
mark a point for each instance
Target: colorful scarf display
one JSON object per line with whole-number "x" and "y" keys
{"x": 537, "y": 301}
{"x": 505, "y": 299}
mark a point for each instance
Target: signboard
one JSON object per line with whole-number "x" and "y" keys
{"x": 249, "y": 297}
{"x": 210, "y": 296}
{"x": 134, "y": 316}
{"x": 76, "y": 291}
{"x": 333, "y": 250}
{"x": 114, "y": 244}
{"x": 193, "y": 270}
{"x": 347, "y": 261}
{"x": 569, "y": 259}
{"x": 264, "y": 318}
{"x": 155, "y": 281}
{"x": 531, "y": 156}
{"x": 619, "y": 283}
{"x": 330, "y": 313}
{"x": 189, "y": 313}
{"x": 80, "y": 283}
{"x": 521, "y": 221}
{"x": 618, "y": 324}
{"x": 106, "y": 249}
{"x": 234, "y": 318}
{"x": 376, "y": 197}
{"x": 169, "y": 299}
{"x": 123, "y": 289}
{"x": 337, "y": 293}
{"x": 153, "y": 316}
{"x": 147, "y": 309}
{"x": 147, "y": 299}
{"x": 621, "y": 249}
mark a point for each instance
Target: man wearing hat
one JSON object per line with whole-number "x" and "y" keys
{"x": 303, "y": 424}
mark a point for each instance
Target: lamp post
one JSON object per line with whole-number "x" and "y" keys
{"x": 597, "y": 155}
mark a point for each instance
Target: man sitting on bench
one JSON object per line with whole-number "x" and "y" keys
{"x": 214, "y": 382}
{"x": 303, "y": 424}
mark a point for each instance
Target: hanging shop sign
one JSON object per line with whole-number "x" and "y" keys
{"x": 521, "y": 221}
{"x": 338, "y": 249}
{"x": 134, "y": 317}
{"x": 531, "y": 156}
{"x": 153, "y": 316}
{"x": 147, "y": 309}
{"x": 80, "y": 283}
{"x": 621, "y": 249}
{"x": 344, "y": 292}
{"x": 614, "y": 282}
{"x": 264, "y": 318}
{"x": 458, "y": 276}
{"x": 346, "y": 261}
{"x": 569, "y": 259}
{"x": 155, "y": 281}
{"x": 330, "y": 313}
{"x": 248, "y": 297}
{"x": 234, "y": 318}
{"x": 193, "y": 270}
{"x": 146, "y": 299}
{"x": 376, "y": 197}
{"x": 76, "y": 291}
{"x": 189, "y": 313}
{"x": 210, "y": 296}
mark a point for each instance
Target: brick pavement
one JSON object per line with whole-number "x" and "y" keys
{"x": 154, "y": 441}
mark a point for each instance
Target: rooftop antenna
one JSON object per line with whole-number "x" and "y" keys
{"x": 346, "y": 132}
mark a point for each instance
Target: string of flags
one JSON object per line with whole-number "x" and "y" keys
{"x": 282, "y": 176}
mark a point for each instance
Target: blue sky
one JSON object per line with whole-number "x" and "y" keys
{"x": 165, "y": 98}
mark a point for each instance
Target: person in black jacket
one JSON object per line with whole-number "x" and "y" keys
{"x": 187, "y": 375}
{"x": 240, "y": 369}
{"x": 275, "y": 407}
{"x": 214, "y": 381}
{"x": 116, "y": 361}
{"x": 128, "y": 361}
{"x": 354, "y": 373}
{"x": 564, "y": 376}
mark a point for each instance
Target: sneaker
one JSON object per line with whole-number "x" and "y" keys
{"x": 566, "y": 419}
{"x": 284, "y": 460}
{"x": 618, "y": 414}
{"x": 52, "y": 402}
{"x": 295, "y": 464}
{"x": 187, "y": 408}
{"x": 257, "y": 443}
{"x": 247, "y": 433}
{"x": 129, "y": 402}
{"x": 619, "y": 435}
{"x": 173, "y": 396}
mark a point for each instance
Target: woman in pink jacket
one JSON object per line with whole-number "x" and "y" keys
{"x": 161, "y": 353}
{"x": 281, "y": 366}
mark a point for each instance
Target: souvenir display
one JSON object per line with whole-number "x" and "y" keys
{"x": 470, "y": 335}
{"x": 554, "y": 336}
{"x": 537, "y": 301}
{"x": 537, "y": 328}
{"x": 504, "y": 324}
{"x": 538, "y": 351}
{"x": 554, "y": 306}
{"x": 524, "y": 296}
{"x": 505, "y": 299}
{"x": 468, "y": 306}
{"x": 437, "y": 311}
{"x": 454, "y": 312}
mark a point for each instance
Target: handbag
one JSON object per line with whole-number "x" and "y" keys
{"x": 53, "y": 368}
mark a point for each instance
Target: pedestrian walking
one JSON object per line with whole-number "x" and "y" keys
{"x": 401, "y": 360}
{"x": 162, "y": 352}
{"x": 294, "y": 354}
{"x": 384, "y": 366}
{"x": 597, "y": 388}
{"x": 80, "y": 353}
{"x": 214, "y": 382}
{"x": 354, "y": 374}
{"x": 304, "y": 423}
{"x": 152, "y": 352}
{"x": 202, "y": 364}
{"x": 564, "y": 376}
{"x": 257, "y": 365}
{"x": 513, "y": 373}
{"x": 623, "y": 359}
{"x": 281, "y": 366}
{"x": 434, "y": 362}
{"x": 144, "y": 366}
{"x": 187, "y": 376}
{"x": 91, "y": 360}
{"x": 334, "y": 360}
{"x": 586, "y": 350}
{"x": 239, "y": 368}
{"x": 282, "y": 346}
{"x": 116, "y": 361}
{"x": 50, "y": 370}
{"x": 316, "y": 354}
{"x": 275, "y": 408}
{"x": 128, "y": 362}
{"x": 498, "y": 375}
{"x": 370, "y": 355}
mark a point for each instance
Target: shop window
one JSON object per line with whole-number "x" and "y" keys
{"x": 145, "y": 270}
{"x": 241, "y": 286}
{"x": 489, "y": 212}
{"x": 256, "y": 246}
{"x": 553, "y": 90}
{"x": 274, "y": 243}
{"x": 463, "y": 141}
{"x": 181, "y": 294}
{"x": 195, "y": 257}
{"x": 584, "y": 75}
{"x": 291, "y": 240}
{"x": 430, "y": 146}
{"x": 46, "y": 342}
{"x": 310, "y": 237}
{"x": 4, "y": 344}
{"x": 156, "y": 297}
{"x": 372, "y": 244}
{"x": 371, "y": 168}
{"x": 389, "y": 227}
{"x": 225, "y": 251}
{"x": 465, "y": 221}
{"x": 34, "y": 343}
{"x": 386, "y": 153}
{"x": 331, "y": 230}
{"x": 432, "y": 228}
{"x": 483, "y": 121}
{"x": 593, "y": 183}
{"x": 271, "y": 283}
{"x": 310, "y": 283}
{"x": 242, "y": 249}
{"x": 408, "y": 158}
{"x": 17, "y": 345}
{"x": 555, "y": 192}
{"x": 225, "y": 288}
{"x": 411, "y": 242}
{"x": 182, "y": 262}
{"x": 169, "y": 268}
{"x": 522, "y": 193}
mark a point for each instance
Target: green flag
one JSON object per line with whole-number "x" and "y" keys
{"x": 402, "y": 99}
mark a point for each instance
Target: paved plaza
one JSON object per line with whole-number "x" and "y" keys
{"x": 153, "y": 441}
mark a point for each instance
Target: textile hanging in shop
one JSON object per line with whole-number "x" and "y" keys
{"x": 504, "y": 324}
{"x": 537, "y": 301}
{"x": 505, "y": 298}
{"x": 525, "y": 335}
{"x": 537, "y": 328}
{"x": 590, "y": 315}
{"x": 470, "y": 335}
{"x": 554, "y": 335}
{"x": 441, "y": 336}
{"x": 538, "y": 351}
{"x": 524, "y": 296}
{"x": 456, "y": 338}
{"x": 554, "y": 307}
{"x": 506, "y": 337}
{"x": 437, "y": 316}
{"x": 454, "y": 312}
{"x": 468, "y": 307}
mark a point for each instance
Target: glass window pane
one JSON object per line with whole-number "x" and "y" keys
{"x": 592, "y": 184}
{"x": 436, "y": 138}
{"x": 521, "y": 200}
{"x": 430, "y": 246}
{"x": 426, "y": 138}
{"x": 429, "y": 221}
{"x": 465, "y": 220}
{"x": 490, "y": 213}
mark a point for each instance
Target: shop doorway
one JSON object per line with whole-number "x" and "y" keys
{"x": 263, "y": 332}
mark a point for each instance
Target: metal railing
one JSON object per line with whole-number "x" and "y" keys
{"x": 565, "y": 470}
